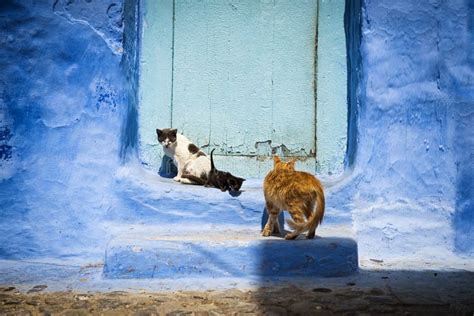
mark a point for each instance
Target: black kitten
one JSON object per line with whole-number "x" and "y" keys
{"x": 222, "y": 180}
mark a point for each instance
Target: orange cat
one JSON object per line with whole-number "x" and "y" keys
{"x": 300, "y": 193}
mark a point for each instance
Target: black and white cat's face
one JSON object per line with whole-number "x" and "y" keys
{"x": 166, "y": 136}
{"x": 225, "y": 181}
{"x": 234, "y": 183}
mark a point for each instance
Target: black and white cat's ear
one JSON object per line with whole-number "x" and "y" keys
{"x": 159, "y": 132}
{"x": 173, "y": 131}
{"x": 236, "y": 180}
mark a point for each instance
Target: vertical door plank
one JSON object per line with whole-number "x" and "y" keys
{"x": 294, "y": 106}
{"x": 155, "y": 76}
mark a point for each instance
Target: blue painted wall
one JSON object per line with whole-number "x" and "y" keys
{"x": 63, "y": 117}
{"x": 414, "y": 105}
{"x": 68, "y": 120}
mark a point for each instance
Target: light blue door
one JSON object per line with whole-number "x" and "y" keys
{"x": 239, "y": 76}
{"x": 243, "y": 76}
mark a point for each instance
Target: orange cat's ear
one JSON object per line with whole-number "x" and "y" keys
{"x": 292, "y": 162}
{"x": 276, "y": 159}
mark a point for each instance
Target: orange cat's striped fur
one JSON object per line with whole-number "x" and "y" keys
{"x": 300, "y": 193}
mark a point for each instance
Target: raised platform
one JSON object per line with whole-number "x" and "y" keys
{"x": 171, "y": 230}
{"x": 229, "y": 253}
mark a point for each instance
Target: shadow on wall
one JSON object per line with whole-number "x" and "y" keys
{"x": 464, "y": 217}
{"x": 168, "y": 168}
{"x": 129, "y": 63}
{"x": 352, "y": 27}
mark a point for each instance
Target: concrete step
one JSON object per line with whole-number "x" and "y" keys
{"x": 147, "y": 198}
{"x": 230, "y": 251}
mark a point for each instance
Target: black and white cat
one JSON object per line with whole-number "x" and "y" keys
{"x": 188, "y": 158}
{"x": 222, "y": 180}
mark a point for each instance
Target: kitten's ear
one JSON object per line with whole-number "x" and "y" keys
{"x": 158, "y": 132}
{"x": 173, "y": 131}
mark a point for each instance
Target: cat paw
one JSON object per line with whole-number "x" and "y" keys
{"x": 177, "y": 179}
{"x": 266, "y": 233}
{"x": 185, "y": 181}
{"x": 290, "y": 236}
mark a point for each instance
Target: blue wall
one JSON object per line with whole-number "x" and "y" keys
{"x": 415, "y": 107}
{"x": 63, "y": 113}
{"x": 68, "y": 120}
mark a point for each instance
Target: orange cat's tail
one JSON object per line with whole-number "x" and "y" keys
{"x": 316, "y": 217}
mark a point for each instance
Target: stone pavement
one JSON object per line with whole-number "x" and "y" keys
{"x": 368, "y": 293}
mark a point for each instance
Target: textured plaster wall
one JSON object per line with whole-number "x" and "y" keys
{"x": 63, "y": 102}
{"x": 411, "y": 174}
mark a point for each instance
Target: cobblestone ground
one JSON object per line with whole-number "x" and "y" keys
{"x": 290, "y": 300}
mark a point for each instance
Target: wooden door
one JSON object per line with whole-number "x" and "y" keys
{"x": 243, "y": 77}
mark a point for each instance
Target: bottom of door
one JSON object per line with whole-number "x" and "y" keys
{"x": 258, "y": 167}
